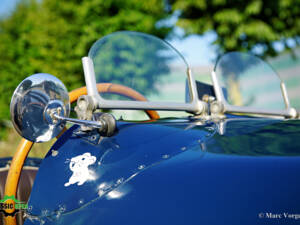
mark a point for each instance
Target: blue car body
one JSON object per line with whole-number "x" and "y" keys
{"x": 174, "y": 171}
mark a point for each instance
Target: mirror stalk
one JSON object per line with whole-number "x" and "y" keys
{"x": 104, "y": 122}
{"x": 94, "y": 124}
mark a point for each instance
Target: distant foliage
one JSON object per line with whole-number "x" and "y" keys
{"x": 242, "y": 25}
{"x": 51, "y": 36}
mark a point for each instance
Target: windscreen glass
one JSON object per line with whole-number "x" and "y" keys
{"x": 140, "y": 62}
{"x": 246, "y": 80}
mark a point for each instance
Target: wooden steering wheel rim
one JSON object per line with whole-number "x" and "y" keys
{"x": 24, "y": 147}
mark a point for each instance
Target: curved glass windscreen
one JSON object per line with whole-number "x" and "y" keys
{"x": 247, "y": 80}
{"x": 141, "y": 62}
{"x": 287, "y": 66}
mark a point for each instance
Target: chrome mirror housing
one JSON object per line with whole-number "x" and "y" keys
{"x": 31, "y": 103}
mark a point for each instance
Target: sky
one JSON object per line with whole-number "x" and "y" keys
{"x": 7, "y": 6}
{"x": 197, "y": 50}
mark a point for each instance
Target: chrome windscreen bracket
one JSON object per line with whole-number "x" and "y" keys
{"x": 288, "y": 112}
{"x": 90, "y": 79}
{"x": 85, "y": 107}
{"x": 196, "y": 106}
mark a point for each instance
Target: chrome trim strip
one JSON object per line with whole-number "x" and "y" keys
{"x": 107, "y": 104}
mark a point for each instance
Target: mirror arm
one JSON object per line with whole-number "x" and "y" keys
{"x": 94, "y": 124}
{"x": 104, "y": 122}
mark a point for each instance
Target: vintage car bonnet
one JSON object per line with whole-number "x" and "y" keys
{"x": 137, "y": 175}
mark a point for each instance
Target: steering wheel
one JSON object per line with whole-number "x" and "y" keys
{"x": 25, "y": 146}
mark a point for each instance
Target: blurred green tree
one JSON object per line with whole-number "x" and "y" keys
{"x": 240, "y": 25}
{"x": 51, "y": 36}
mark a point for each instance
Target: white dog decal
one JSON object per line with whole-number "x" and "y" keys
{"x": 79, "y": 166}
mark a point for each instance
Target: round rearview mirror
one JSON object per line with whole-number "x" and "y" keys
{"x": 30, "y": 101}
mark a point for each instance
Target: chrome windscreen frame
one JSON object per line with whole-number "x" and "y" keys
{"x": 288, "y": 112}
{"x": 195, "y": 106}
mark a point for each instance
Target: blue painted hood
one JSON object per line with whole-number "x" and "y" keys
{"x": 173, "y": 172}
